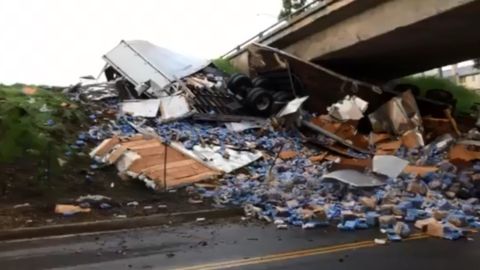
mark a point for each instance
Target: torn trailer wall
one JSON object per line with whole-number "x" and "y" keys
{"x": 186, "y": 86}
{"x": 324, "y": 86}
{"x": 143, "y": 63}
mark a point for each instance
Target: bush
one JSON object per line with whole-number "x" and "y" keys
{"x": 35, "y": 126}
{"x": 224, "y": 65}
{"x": 465, "y": 97}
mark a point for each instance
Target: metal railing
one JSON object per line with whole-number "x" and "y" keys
{"x": 280, "y": 25}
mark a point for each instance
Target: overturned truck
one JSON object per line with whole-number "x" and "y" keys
{"x": 292, "y": 142}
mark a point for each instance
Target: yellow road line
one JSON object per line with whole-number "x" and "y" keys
{"x": 291, "y": 255}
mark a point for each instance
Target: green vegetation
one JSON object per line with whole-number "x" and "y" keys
{"x": 465, "y": 97}
{"x": 224, "y": 65}
{"x": 35, "y": 125}
{"x": 290, "y": 6}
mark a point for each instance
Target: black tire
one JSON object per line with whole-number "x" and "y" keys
{"x": 439, "y": 95}
{"x": 230, "y": 80}
{"x": 240, "y": 84}
{"x": 262, "y": 82}
{"x": 281, "y": 81}
{"x": 402, "y": 87}
{"x": 260, "y": 101}
{"x": 282, "y": 96}
{"x": 443, "y": 96}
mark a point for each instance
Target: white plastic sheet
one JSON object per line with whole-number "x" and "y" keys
{"x": 244, "y": 125}
{"x": 174, "y": 107}
{"x": 292, "y": 106}
{"x": 390, "y": 166}
{"x": 354, "y": 178}
{"x": 144, "y": 107}
{"x": 349, "y": 108}
{"x": 211, "y": 157}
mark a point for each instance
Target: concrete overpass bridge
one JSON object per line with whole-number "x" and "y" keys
{"x": 377, "y": 40}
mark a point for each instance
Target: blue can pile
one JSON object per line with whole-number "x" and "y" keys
{"x": 287, "y": 186}
{"x": 314, "y": 171}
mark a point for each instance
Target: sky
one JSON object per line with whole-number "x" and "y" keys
{"x": 54, "y": 42}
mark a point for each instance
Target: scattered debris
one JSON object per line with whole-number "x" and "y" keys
{"x": 148, "y": 67}
{"x": 354, "y": 178}
{"x": 292, "y": 107}
{"x": 289, "y": 154}
{"x": 133, "y": 204}
{"x": 105, "y": 206}
{"x": 380, "y": 241}
{"x": 265, "y": 142}
{"x": 174, "y": 107}
{"x": 245, "y": 125}
{"x": 390, "y": 166}
{"x": 462, "y": 152}
{"x": 420, "y": 170}
{"x": 93, "y": 198}
{"x": 195, "y": 201}
{"x": 350, "y": 108}
{"x": 221, "y": 159}
{"x": 68, "y": 210}
{"x": 23, "y": 205}
{"x": 61, "y": 162}
{"x": 397, "y": 116}
{"x": 29, "y": 91}
{"x": 144, "y": 108}
{"x": 412, "y": 139}
{"x": 45, "y": 109}
{"x": 150, "y": 160}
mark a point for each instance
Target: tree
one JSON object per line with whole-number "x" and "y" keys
{"x": 290, "y": 6}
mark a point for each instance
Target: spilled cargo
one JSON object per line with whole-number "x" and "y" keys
{"x": 292, "y": 142}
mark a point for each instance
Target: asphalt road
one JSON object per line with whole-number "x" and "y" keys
{"x": 236, "y": 244}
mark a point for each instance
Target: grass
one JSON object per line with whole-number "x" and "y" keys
{"x": 35, "y": 127}
{"x": 224, "y": 65}
{"x": 465, "y": 97}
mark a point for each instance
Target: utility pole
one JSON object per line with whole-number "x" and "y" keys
{"x": 455, "y": 73}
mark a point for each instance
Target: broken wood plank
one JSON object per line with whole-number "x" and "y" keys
{"x": 192, "y": 179}
{"x": 105, "y": 147}
{"x": 178, "y": 172}
{"x": 462, "y": 152}
{"x": 171, "y": 165}
{"x": 151, "y": 151}
{"x": 420, "y": 170}
{"x": 288, "y": 154}
{"x": 116, "y": 154}
{"x": 388, "y": 148}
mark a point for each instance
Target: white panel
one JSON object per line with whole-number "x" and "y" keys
{"x": 143, "y": 108}
{"x": 133, "y": 67}
{"x": 140, "y": 61}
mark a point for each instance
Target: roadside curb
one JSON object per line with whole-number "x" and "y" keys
{"x": 116, "y": 224}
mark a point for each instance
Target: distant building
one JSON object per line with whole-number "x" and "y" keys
{"x": 468, "y": 76}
